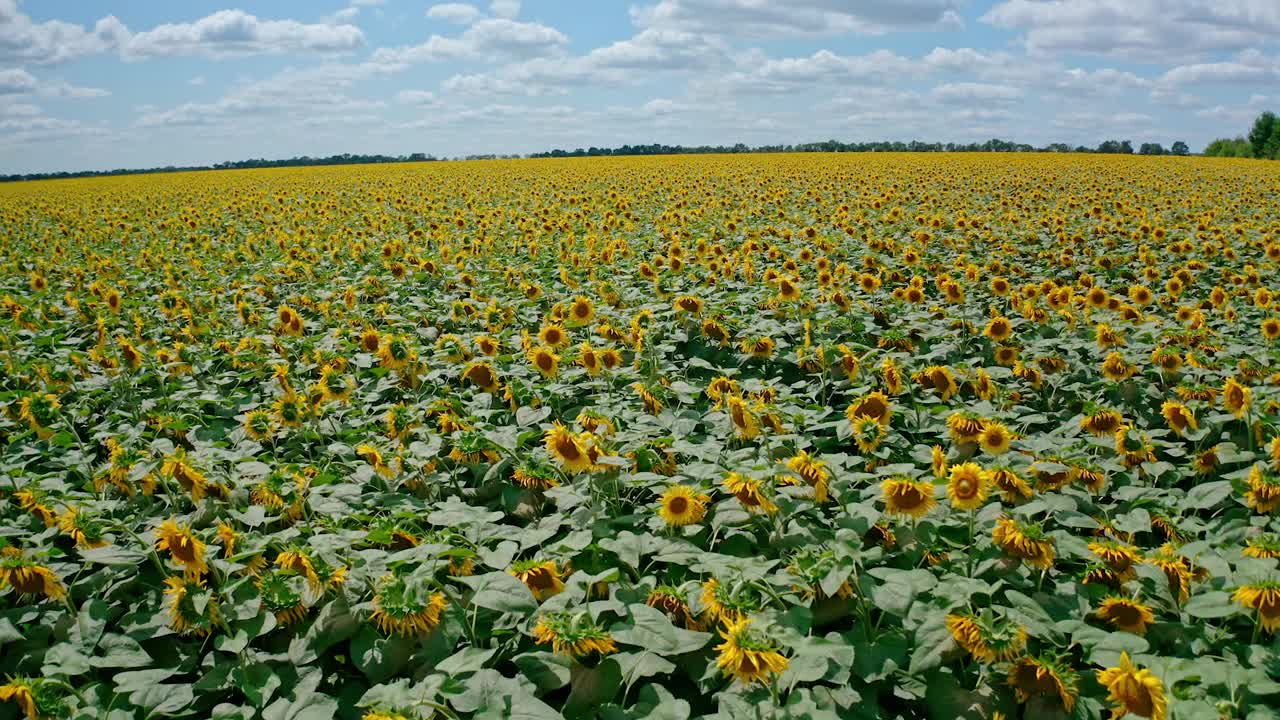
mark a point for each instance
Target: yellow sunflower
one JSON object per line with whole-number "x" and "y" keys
{"x": 906, "y": 497}
{"x": 967, "y": 486}
{"x": 1134, "y": 691}
{"x": 746, "y": 656}
{"x": 681, "y": 505}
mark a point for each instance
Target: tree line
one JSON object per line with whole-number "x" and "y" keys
{"x": 1263, "y": 141}
{"x": 1119, "y": 147}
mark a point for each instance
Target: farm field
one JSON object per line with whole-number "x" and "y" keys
{"x": 803, "y": 436}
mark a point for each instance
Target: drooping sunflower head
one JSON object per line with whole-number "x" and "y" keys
{"x": 1126, "y": 614}
{"x": 1264, "y": 597}
{"x": 193, "y": 609}
{"x": 1025, "y": 541}
{"x": 36, "y": 697}
{"x": 28, "y": 577}
{"x": 749, "y": 491}
{"x": 542, "y": 577}
{"x": 1134, "y": 690}
{"x": 185, "y": 548}
{"x": 813, "y": 472}
{"x": 403, "y": 606}
{"x": 282, "y": 592}
{"x": 876, "y": 406}
{"x": 1013, "y": 489}
{"x": 569, "y": 449}
{"x": 482, "y": 375}
{"x": 988, "y": 638}
{"x": 965, "y": 426}
{"x": 1045, "y": 675}
{"x": 1263, "y": 545}
{"x": 535, "y": 476}
{"x": 906, "y": 497}
{"x": 574, "y": 635}
{"x": 748, "y": 656}
{"x": 675, "y": 603}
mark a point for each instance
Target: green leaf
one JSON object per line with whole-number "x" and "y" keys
{"x": 1214, "y": 604}
{"x": 545, "y": 670}
{"x": 379, "y": 657}
{"x": 1208, "y": 495}
{"x": 650, "y": 629}
{"x": 501, "y": 591}
{"x": 467, "y": 660}
{"x": 112, "y": 555}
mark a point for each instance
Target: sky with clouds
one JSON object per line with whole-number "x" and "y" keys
{"x": 98, "y": 85}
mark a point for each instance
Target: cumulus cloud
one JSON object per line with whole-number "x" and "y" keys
{"x": 16, "y": 81}
{"x": 415, "y": 97}
{"x": 753, "y": 18}
{"x": 24, "y": 41}
{"x": 234, "y": 32}
{"x": 1145, "y": 30}
{"x": 494, "y": 38}
{"x": 971, "y": 93}
{"x": 453, "y": 12}
{"x": 505, "y": 8}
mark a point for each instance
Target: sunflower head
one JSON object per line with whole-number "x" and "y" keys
{"x": 747, "y": 655}
{"x": 1045, "y": 675}
{"x": 682, "y": 505}
{"x": 967, "y": 486}
{"x": 193, "y": 609}
{"x": 403, "y": 606}
{"x": 1126, "y": 614}
{"x": 988, "y": 638}
{"x": 906, "y": 497}
{"x": 1134, "y": 690}
{"x": 542, "y": 577}
{"x": 574, "y": 635}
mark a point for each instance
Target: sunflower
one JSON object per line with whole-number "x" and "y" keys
{"x": 545, "y": 361}
{"x": 986, "y": 638}
{"x": 1134, "y": 691}
{"x": 542, "y": 577}
{"x": 814, "y": 472}
{"x": 1045, "y": 675}
{"x": 938, "y": 379}
{"x": 32, "y": 501}
{"x": 82, "y": 527}
{"x": 258, "y": 425}
{"x": 569, "y": 449}
{"x": 1024, "y": 541}
{"x": 681, "y": 505}
{"x": 1118, "y": 557}
{"x": 282, "y": 591}
{"x": 1265, "y": 598}
{"x": 876, "y": 406}
{"x": 1013, "y": 489}
{"x": 574, "y": 635}
{"x": 652, "y": 404}
{"x": 868, "y": 434}
{"x": 27, "y": 577}
{"x": 395, "y": 352}
{"x": 1178, "y": 417}
{"x": 186, "y": 616}
{"x": 1271, "y": 328}
{"x": 1263, "y": 545}
{"x": 673, "y": 601}
{"x": 334, "y": 386}
{"x": 1126, "y": 614}
{"x": 404, "y": 608}
{"x": 999, "y": 329}
{"x": 581, "y": 310}
{"x": 1177, "y": 570}
{"x": 1263, "y": 494}
{"x": 370, "y": 340}
{"x": 906, "y": 497}
{"x": 291, "y": 409}
{"x": 1116, "y": 369}
{"x": 746, "y": 656}
{"x": 22, "y": 691}
{"x": 482, "y": 375}
{"x": 1235, "y": 397}
{"x": 995, "y": 438}
{"x": 688, "y": 304}
{"x": 938, "y": 462}
{"x": 1102, "y": 422}
{"x": 965, "y": 427}
{"x": 967, "y": 486}
{"x": 761, "y": 347}
{"x": 744, "y": 422}
{"x": 532, "y": 476}
{"x": 553, "y": 336}
{"x": 184, "y": 548}
{"x": 749, "y": 493}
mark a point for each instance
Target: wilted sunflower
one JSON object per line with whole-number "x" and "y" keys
{"x": 573, "y": 635}
{"x": 906, "y": 497}
{"x": 34, "y": 697}
{"x": 987, "y": 638}
{"x": 1265, "y": 598}
{"x": 1134, "y": 691}
{"x": 868, "y": 433}
{"x": 542, "y": 577}
{"x": 744, "y": 422}
{"x": 749, "y": 493}
{"x": 652, "y": 404}
{"x": 1127, "y": 614}
{"x": 568, "y": 448}
{"x": 1045, "y": 675}
{"x": 967, "y": 486}
{"x": 746, "y": 656}
{"x": 406, "y": 608}
{"x": 184, "y": 548}
{"x": 28, "y": 577}
{"x": 682, "y": 505}
{"x": 1013, "y": 489}
{"x": 1024, "y": 541}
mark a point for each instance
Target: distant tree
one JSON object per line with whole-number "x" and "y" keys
{"x": 1109, "y": 147}
{"x": 1149, "y": 148}
{"x": 1260, "y": 137}
{"x": 1227, "y": 147}
{"x": 1179, "y": 148}
{"x": 1126, "y": 147}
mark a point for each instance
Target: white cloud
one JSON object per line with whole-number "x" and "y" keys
{"x": 454, "y": 12}
{"x": 487, "y": 39}
{"x": 54, "y": 41}
{"x": 971, "y": 93}
{"x": 67, "y": 90}
{"x": 345, "y": 15}
{"x": 197, "y": 80}
{"x": 415, "y": 97}
{"x": 16, "y": 81}
{"x": 368, "y": 3}
{"x": 1249, "y": 68}
{"x": 234, "y": 32}
{"x": 508, "y": 9}
{"x": 761, "y": 18}
{"x": 1145, "y": 30}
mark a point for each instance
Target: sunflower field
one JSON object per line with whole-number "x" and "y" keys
{"x": 766, "y": 436}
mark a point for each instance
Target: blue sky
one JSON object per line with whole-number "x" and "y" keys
{"x": 96, "y": 85}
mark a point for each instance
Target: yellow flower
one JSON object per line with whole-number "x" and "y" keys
{"x": 1044, "y": 676}
{"x": 995, "y": 438}
{"x": 749, "y": 493}
{"x": 553, "y": 336}
{"x": 19, "y": 692}
{"x": 184, "y": 617}
{"x": 482, "y": 375}
{"x": 1013, "y": 489}
{"x": 402, "y": 608}
{"x": 745, "y": 425}
{"x": 967, "y": 486}
{"x": 965, "y": 427}
{"x": 184, "y": 547}
{"x": 985, "y": 639}
{"x": 1179, "y": 417}
{"x": 903, "y": 496}
{"x": 28, "y": 577}
{"x": 747, "y": 657}
{"x": 1134, "y": 691}
{"x": 876, "y": 406}
{"x": 541, "y": 577}
{"x": 545, "y": 361}
{"x": 681, "y": 505}
{"x": 258, "y": 424}
{"x": 575, "y": 636}
{"x": 569, "y": 449}
{"x": 1024, "y": 541}
{"x": 999, "y": 329}
{"x": 1235, "y": 397}
{"x": 1263, "y": 597}
{"x": 814, "y": 472}
{"x": 1126, "y": 614}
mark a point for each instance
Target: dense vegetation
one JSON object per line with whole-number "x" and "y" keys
{"x": 1263, "y": 141}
